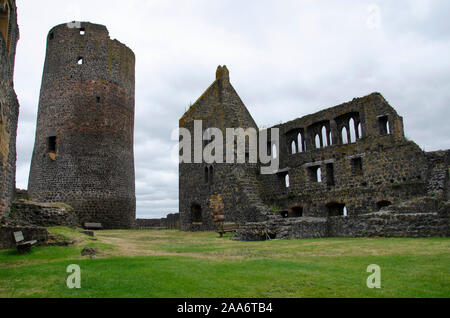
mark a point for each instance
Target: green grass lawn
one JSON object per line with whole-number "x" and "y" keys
{"x": 179, "y": 264}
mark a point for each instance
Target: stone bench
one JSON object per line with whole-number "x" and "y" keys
{"x": 93, "y": 226}
{"x": 226, "y": 228}
{"x": 22, "y": 245}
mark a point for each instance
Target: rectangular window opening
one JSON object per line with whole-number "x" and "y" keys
{"x": 330, "y": 174}
{"x": 357, "y": 166}
{"x": 51, "y": 144}
{"x": 315, "y": 174}
{"x": 383, "y": 122}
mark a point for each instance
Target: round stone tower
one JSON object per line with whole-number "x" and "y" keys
{"x": 83, "y": 152}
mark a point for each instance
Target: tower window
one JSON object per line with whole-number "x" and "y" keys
{"x": 51, "y": 144}
{"x": 82, "y": 31}
{"x": 98, "y": 99}
{"x": 80, "y": 60}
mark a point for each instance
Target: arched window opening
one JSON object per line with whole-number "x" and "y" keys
{"x": 359, "y": 131}
{"x": 80, "y": 60}
{"x": 317, "y": 141}
{"x": 336, "y": 209}
{"x": 286, "y": 180}
{"x": 82, "y": 31}
{"x": 324, "y": 136}
{"x": 352, "y": 127}
{"x": 206, "y": 174}
{"x": 274, "y": 151}
{"x": 300, "y": 143}
{"x": 383, "y": 203}
{"x": 319, "y": 175}
{"x": 196, "y": 213}
{"x": 330, "y": 138}
{"x": 344, "y": 136}
{"x": 295, "y": 212}
{"x": 293, "y": 147}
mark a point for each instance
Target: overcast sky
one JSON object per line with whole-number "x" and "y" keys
{"x": 286, "y": 59}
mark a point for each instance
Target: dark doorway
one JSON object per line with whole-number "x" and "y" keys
{"x": 296, "y": 212}
{"x": 335, "y": 209}
{"x": 383, "y": 203}
{"x": 196, "y": 213}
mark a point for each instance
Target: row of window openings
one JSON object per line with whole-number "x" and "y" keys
{"x": 315, "y": 173}
{"x": 355, "y": 133}
{"x": 333, "y": 209}
{"x": 325, "y": 139}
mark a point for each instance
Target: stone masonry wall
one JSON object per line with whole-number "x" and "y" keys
{"x": 7, "y": 240}
{"x": 391, "y": 169}
{"x": 83, "y": 153}
{"x": 225, "y": 189}
{"x": 9, "y": 105}
{"x": 44, "y": 214}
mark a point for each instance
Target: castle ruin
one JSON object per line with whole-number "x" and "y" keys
{"x": 341, "y": 162}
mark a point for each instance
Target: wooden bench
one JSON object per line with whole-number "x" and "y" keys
{"x": 226, "y": 228}
{"x": 22, "y": 245}
{"x": 93, "y": 226}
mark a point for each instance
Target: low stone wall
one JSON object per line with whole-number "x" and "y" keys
{"x": 147, "y": 223}
{"x": 7, "y": 240}
{"x": 389, "y": 224}
{"x": 408, "y": 219}
{"x": 43, "y": 214}
{"x": 291, "y": 228}
{"x": 171, "y": 222}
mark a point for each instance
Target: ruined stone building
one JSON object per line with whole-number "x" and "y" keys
{"x": 83, "y": 152}
{"x": 9, "y": 105}
{"x": 344, "y": 162}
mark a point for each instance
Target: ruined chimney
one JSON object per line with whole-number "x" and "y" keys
{"x": 223, "y": 73}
